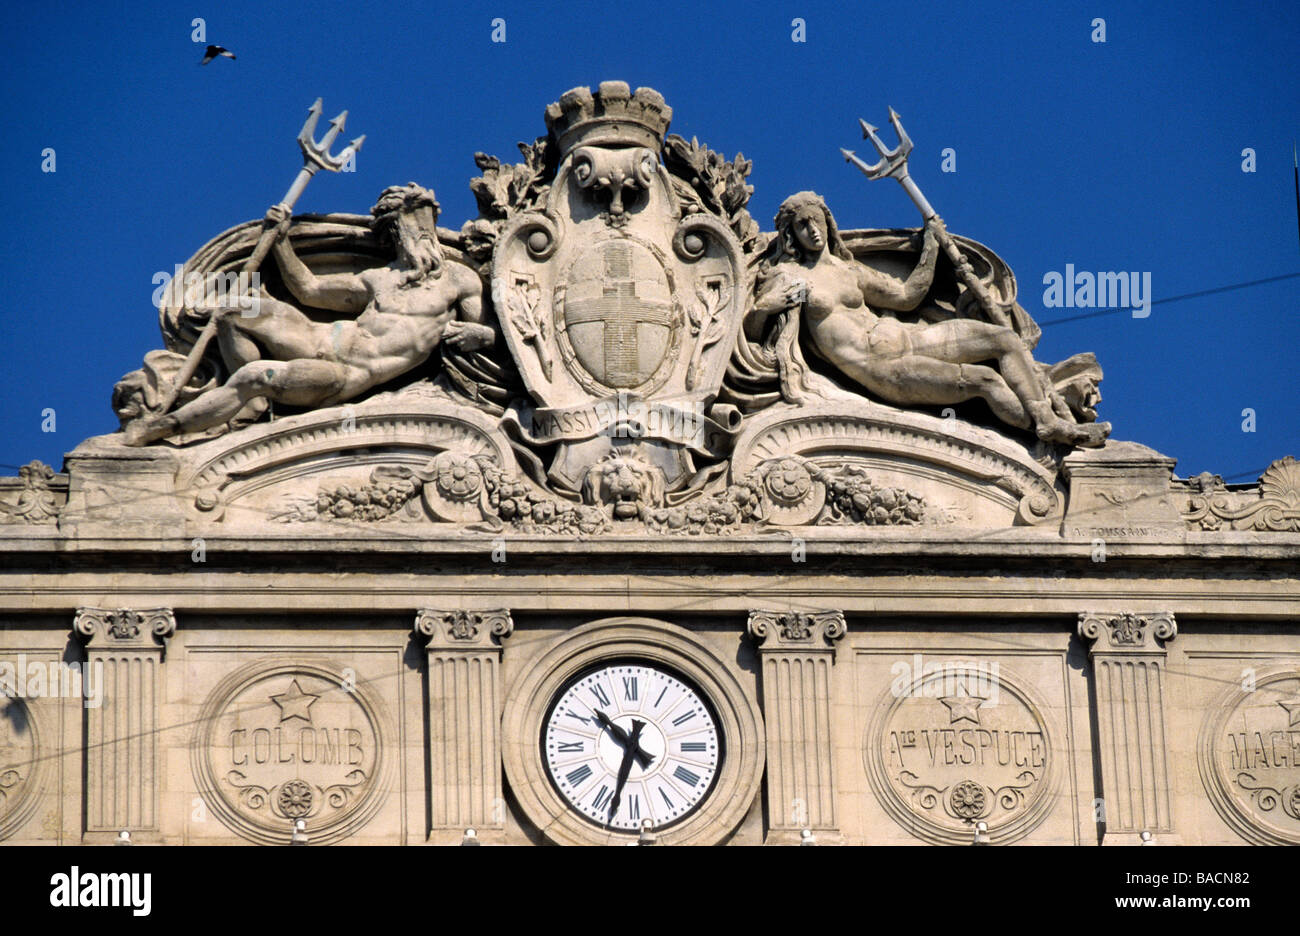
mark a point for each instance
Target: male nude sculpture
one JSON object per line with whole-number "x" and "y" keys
{"x": 401, "y": 313}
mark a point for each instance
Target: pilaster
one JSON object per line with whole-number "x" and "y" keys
{"x": 122, "y": 734}
{"x": 464, "y": 657}
{"x": 1128, "y": 663}
{"x": 797, "y": 650}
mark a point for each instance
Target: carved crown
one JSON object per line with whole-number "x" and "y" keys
{"x": 612, "y": 116}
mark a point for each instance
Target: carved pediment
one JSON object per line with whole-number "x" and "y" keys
{"x": 614, "y": 347}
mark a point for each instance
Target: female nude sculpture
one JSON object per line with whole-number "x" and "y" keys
{"x": 904, "y": 363}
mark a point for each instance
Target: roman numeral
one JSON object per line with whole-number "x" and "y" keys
{"x": 585, "y": 721}
{"x": 634, "y": 807}
{"x": 689, "y": 777}
{"x": 661, "y": 697}
{"x": 599, "y": 693}
{"x": 667, "y": 802}
{"x": 577, "y": 776}
{"x": 686, "y": 746}
{"x": 629, "y": 688}
{"x": 683, "y": 719}
{"x": 602, "y": 797}
{"x": 572, "y": 747}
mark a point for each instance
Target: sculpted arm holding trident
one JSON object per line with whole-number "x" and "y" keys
{"x": 901, "y": 362}
{"x": 402, "y": 312}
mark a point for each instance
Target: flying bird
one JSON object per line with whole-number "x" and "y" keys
{"x": 214, "y": 51}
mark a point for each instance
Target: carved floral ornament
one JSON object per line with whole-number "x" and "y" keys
{"x": 35, "y": 501}
{"x": 781, "y": 629}
{"x": 464, "y": 627}
{"x": 621, "y": 493}
{"x": 125, "y": 626}
{"x": 1210, "y": 506}
{"x": 1128, "y": 631}
{"x": 607, "y": 337}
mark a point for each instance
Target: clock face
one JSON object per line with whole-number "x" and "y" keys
{"x": 629, "y": 741}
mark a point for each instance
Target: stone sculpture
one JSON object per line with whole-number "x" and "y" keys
{"x": 612, "y": 346}
{"x": 611, "y": 388}
{"x": 905, "y": 363}
{"x": 402, "y": 310}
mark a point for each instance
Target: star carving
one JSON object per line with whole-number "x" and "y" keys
{"x": 963, "y": 706}
{"x": 1292, "y": 707}
{"x": 295, "y": 703}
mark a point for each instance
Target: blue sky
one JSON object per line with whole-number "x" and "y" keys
{"x": 1123, "y": 155}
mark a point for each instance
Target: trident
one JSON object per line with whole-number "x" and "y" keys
{"x": 316, "y": 156}
{"x": 893, "y": 165}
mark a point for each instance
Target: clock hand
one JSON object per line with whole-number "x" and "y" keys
{"x": 619, "y": 735}
{"x": 629, "y": 750}
{"x": 642, "y": 758}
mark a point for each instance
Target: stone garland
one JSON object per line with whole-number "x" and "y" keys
{"x": 851, "y": 498}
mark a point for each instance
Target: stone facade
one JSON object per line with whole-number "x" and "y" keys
{"x": 612, "y": 516}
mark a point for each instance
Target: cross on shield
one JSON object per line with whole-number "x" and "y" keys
{"x": 619, "y": 313}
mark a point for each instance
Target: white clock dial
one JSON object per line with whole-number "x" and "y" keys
{"x": 630, "y": 741}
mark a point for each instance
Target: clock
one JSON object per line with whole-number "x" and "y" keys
{"x": 624, "y": 720}
{"x": 631, "y": 740}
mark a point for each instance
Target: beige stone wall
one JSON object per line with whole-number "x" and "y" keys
{"x": 899, "y": 731}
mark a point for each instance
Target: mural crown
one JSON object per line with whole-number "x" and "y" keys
{"x": 613, "y": 116}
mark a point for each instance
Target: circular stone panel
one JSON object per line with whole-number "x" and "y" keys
{"x": 285, "y": 741}
{"x": 20, "y": 764}
{"x": 1249, "y": 757}
{"x": 962, "y": 744}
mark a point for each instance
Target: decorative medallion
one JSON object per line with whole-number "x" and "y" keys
{"x": 288, "y": 741}
{"x": 20, "y": 764}
{"x": 1249, "y": 756}
{"x": 959, "y": 745}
